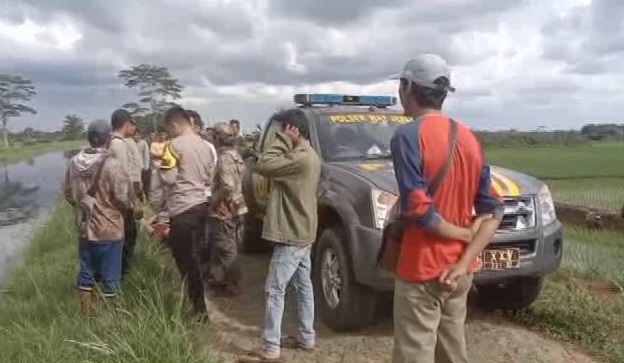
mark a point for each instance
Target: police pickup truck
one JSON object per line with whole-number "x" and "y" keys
{"x": 356, "y": 193}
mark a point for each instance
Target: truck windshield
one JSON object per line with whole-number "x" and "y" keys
{"x": 357, "y": 136}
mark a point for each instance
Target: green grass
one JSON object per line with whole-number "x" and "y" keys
{"x": 590, "y": 175}
{"x": 603, "y": 193}
{"x": 21, "y": 152}
{"x": 39, "y": 319}
{"x": 584, "y": 301}
{"x": 598, "y": 160}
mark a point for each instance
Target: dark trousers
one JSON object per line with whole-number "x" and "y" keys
{"x": 189, "y": 247}
{"x": 146, "y": 177}
{"x": 225, "y": 239}
{"x": 130, "y": 237}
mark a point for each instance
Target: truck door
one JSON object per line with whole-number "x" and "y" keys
{"x": 256, "y": 188}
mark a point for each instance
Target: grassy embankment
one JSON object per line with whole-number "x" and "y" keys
{"x": 39, "y": 320}
{"x": 583, "y": 302}
{"x": 21, "y": 152}
{"x": 591, "y": 175}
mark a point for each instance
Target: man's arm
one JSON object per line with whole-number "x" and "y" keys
{"x": 278, "y": 160}
{"x": 486, "y": 202}
{"x": 416, "y": 203}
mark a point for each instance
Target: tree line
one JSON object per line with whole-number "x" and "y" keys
{"x": 156, "y": 89}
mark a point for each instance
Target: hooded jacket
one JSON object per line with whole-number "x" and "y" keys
{"x": 111, "y": 192}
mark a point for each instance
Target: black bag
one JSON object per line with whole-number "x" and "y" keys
{"x": 392, "y": 236}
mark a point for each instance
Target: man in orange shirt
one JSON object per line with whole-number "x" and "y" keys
{"x": 441, "y": 241}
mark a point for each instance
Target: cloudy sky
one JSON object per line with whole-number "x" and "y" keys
{"x": 515, "y": 63}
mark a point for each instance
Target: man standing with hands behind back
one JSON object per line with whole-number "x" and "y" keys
{"x": 291, "y": 223}
{"x": 441, "y": 241}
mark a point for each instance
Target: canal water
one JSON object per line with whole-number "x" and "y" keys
{"x": 28, "y": 191}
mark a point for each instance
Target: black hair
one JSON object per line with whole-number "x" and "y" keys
{"x": 119, "y": 118}
{"x": 235, "y": 122}
{"x": 293, "y": 117}
{"x": 428, "y": 97}
{"x": 197, "y": 120}
{"x": 176, "y": 114}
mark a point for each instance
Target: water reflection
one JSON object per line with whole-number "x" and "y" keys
{"x": 17, "y": 204}
{"x": 27, "y": 191}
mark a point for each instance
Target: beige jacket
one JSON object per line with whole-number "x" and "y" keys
{"x": 111, "y": 192}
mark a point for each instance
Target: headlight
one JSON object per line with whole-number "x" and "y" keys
{"x": 546, "y": 206}
{"x": 382, "y": 206}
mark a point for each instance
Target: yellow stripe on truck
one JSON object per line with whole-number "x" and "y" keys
{"x": 512, "y": 189}
{"x": 497, "y": 186}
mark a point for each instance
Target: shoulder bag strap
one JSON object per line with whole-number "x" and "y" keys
{"x": 452, "y": 146}
{"x": 98, "y": 174}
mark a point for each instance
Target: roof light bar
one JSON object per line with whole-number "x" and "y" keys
{"x": 338, "y": 99}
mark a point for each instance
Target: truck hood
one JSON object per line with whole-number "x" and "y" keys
{"x": 506, "y": 182}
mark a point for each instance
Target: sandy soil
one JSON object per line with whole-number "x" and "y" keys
{"x": 491, "y": 339}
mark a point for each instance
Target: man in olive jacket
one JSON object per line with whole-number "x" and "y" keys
{"x": 294, "y": 169}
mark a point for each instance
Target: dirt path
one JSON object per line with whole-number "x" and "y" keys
{"x": 490, "y": 339}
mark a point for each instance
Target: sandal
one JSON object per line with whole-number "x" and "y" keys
{"x": 292, "y": 342}
{"x": 260, "y": 355}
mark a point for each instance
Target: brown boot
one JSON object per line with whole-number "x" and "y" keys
{"x": 87, "y": 303}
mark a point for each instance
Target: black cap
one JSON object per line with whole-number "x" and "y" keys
{"x": 98, "y": 132}
{"x": 119, "y": 118}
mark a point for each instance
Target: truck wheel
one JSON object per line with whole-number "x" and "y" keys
{"x": 514, "y": 295}
{"x": 252, "y": 240}
{"x": 344, "y": 305}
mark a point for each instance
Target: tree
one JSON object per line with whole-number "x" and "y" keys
{"x": 14, "y": 92}
{"x": 157, "y": 89}
{"x": 73, "y": 127}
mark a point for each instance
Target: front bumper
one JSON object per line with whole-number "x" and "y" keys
{"x": 541, "y": 255}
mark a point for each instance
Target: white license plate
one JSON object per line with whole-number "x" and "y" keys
{"x": 500, "y": 259}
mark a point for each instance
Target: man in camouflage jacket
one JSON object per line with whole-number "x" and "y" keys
{"x": 227, "y": 211}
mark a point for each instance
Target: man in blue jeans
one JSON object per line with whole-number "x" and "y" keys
{"x": 96, "y": 186}
{"x": 293, "y": 168}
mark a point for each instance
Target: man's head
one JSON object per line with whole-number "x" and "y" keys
{"x": 177, "y": 121}
{"x": 123, "y": 123}
{"x": 224, "y": 134}
{"x": 236, "y": 125}
{"x": 294, "y": 124}
{"x": 424, "y": 84}
{"x": 198, "y": 124}
{"x": 99, "y": 134}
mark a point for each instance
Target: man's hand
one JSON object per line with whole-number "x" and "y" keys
{"x": 292, "y": 133}
{"x": 476, "y": 224}
{"x": 451, "y": 275}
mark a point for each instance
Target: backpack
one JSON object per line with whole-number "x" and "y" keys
{"x": 84, "y": 209}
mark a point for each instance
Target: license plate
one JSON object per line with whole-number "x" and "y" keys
{"x": 500, "y": 259}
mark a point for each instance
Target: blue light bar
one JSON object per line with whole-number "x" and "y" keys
{"x": 309, "y": 99}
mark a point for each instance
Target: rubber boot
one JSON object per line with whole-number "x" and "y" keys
{"x": 87, "y": 303}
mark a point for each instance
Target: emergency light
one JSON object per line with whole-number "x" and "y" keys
{"x": 309, "y": 99}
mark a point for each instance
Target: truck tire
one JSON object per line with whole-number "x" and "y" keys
{"x": 253, "y": 243}
{"x": 514, "y": 295}
{"x": 343, "y": 304}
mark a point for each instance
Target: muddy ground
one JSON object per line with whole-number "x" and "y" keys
{"x": 491, "y": 338}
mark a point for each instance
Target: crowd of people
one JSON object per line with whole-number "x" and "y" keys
{"x": 191, "y": 178}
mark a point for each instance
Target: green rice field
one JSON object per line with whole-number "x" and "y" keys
{"x": 590, "y": 175}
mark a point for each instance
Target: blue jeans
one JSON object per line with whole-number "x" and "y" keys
{"x": 100, "y": 262}
{"x": 288, "y": 262}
